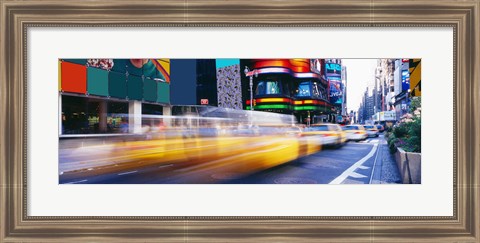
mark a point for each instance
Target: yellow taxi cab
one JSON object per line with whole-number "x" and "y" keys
{"x": 355, "y": 132}
{"x": 326, "y": 133}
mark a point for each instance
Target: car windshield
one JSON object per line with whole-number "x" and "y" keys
{"x": 351, "y": 128}
{"x": 369, "y": 127}
{"x": 319, "y": 128}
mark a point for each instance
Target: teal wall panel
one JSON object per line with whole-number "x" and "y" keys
{"x": 117, "y": 85}
{"x": 120, "y": 65}
{"x": 150, "y": 90}
{"x": 134, "y": 88}
{"x": 163, "y": 92}
{"x": 97, "y": 81}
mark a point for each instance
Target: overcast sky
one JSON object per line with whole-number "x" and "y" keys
{"x": 359, "y": 72}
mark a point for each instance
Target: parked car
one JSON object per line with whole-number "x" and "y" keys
{"x": 372, "y": 130}
{"x": 355, "y": 132}
{"x": 327, "y": 133}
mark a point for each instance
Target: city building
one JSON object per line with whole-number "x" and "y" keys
{"x": 366, "y": 107}
{"x": 111, "y": 95}
{"x": 401, "y": 86}
{"x": 344, "y": 97}
{"x": 383, "y": 92}
{"x": 387, "y": 77}
{"x": 98, "y": 96}
{"x": 293, "y": 86}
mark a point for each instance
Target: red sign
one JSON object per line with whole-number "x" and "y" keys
{"x": 204, "y": 101}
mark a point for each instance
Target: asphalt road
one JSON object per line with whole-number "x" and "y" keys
{"x": 353, "y": 163}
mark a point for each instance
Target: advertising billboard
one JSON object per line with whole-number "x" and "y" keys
{"x": 336, "y": 91}
{"x": 405, "y": 80}
{"x": 333, "y": 70}
{"x": 155, "y": 69}
{"x": 129, "y": 79}
{"x": 389, "y": 116}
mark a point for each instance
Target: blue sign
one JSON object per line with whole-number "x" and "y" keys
{"x": 333, "y": 70}
{"x": 405, "y": 80}
{"x": 336, "y": 92}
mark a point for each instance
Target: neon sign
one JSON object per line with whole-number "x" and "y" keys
{"x": 333, "y": 69}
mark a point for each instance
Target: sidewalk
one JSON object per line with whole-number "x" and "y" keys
{"x": 386, "y": 171}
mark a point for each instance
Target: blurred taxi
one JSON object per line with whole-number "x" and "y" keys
{"x": 293, "y": 131}
{"x": 355, "y": 132}
{"x": 328, "y": 134}
{"x": 372, "y": 130}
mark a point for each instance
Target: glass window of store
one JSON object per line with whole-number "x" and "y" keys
{"x": 152, "y": 119}
{"x": 85, "y": 115}
{"x": 117, "y": 117}
{"x": 76, "y": 115}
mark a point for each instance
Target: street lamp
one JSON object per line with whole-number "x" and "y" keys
{"x": 250, "y": 74}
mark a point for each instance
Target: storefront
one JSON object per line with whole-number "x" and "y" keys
{"x": 99, "y": 96}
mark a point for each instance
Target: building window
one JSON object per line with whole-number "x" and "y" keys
{"x": 268, "y": 88}
{"x": 303, "y": 90}
{"x": 82, "y": 115}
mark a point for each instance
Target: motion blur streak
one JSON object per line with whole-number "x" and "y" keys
{"x": 220, "y": 147}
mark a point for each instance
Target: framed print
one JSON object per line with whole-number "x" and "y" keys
{"x": 239, "y": 121}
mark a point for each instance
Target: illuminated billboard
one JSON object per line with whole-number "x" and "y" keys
{"x": 405, "y": 80}
{"x": 336, "y": 91}
{"x": 333, "y": 70}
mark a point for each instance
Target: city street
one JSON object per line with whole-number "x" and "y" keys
{"x": 364, "y": 162}
{"x": 239, "y": 121}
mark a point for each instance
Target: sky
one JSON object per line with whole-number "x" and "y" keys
{"x": 359, "y": 72}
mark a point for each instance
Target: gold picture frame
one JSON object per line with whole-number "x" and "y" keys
{"x": 17, "y": 16}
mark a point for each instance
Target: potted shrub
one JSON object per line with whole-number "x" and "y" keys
{"x": 405, "y": 142}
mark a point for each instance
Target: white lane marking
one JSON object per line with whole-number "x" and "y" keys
{"x": 73, "y": 182}
{"x": 357, "y": 175}
{"x": 363, "y": 167}
{"x": 352, "y": 168}
{"x": 126, "y": 173}
{"x": 373, "y": 168}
